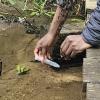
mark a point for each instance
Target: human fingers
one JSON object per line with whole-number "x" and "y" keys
{"x": 49, "y": 52}
{"x": 44, "y": 53}
{"x": 36, "y": 51}
{"x": 64, "y": 47}
{"x": 75, "y": 52}
{"x": 69, "y": 51}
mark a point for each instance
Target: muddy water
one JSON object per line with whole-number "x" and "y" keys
{"x": 42, "y": 82}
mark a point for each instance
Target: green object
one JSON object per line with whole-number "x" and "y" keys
{"x": 12, "y": 2}
{"x": 30, "y": 8}
{"x": 39, "y": 9}
{"x": 21, "y": 69}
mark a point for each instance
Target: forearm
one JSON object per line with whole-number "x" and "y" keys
{"x": 58, "y": 21}
{"x": 91, "y": 33}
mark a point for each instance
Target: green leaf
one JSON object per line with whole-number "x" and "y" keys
{"x": 47, "y": 14}
{"x": 12, "y": 2}
{"x": 21, "y": 69}
{"x": 51, "y": 13}
{"x": 33, "y": 13}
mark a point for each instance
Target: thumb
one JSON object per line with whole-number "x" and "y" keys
{"x": 36, "y": 51}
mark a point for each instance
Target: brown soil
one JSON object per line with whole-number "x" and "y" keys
{"x": 42, "y": 82}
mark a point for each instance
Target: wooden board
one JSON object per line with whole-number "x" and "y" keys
{"x": 91, "y": 66}
{"x": 91, "y": 74}
{"x": 91, "y": 70}
{"x": 91, "y": 4}
{"x": 93, "y": 53}
{"x": 93, "y": 91}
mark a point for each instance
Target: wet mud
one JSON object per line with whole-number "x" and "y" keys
{"x": 41, "y": 82}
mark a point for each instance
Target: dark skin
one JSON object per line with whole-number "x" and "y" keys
{"x": 71, "y": 46}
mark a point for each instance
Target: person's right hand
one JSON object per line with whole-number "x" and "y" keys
{"x": 43, "y": 46}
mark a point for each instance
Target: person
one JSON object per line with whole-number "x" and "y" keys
{"x": 73, "y": 44}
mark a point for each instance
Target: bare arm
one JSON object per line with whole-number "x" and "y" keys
{"x": 44, "y": 44}
{"x": 60, "y": 16}
{"x": 58, "y": 21}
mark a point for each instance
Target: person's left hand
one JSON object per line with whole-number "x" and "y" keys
{"x": 73, "y": 45}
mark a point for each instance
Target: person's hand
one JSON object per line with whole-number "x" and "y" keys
{"x": 43, "y": 46}
{"x": 73, "y": 45}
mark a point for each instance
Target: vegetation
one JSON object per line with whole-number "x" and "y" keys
{"x": 39, "y": 7}
{"x": 21, "y": 69}
{"x": 30, "y": 7}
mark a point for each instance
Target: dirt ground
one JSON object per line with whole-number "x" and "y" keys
{"x": 42, "y": 82}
